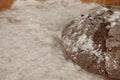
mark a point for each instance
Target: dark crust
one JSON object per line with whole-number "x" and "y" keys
{"x": 101, "y": 35}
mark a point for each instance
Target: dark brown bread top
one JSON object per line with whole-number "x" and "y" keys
{"x": 93, "y": 42}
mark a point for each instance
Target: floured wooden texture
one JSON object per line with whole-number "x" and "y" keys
{"x": 28, "y": 45}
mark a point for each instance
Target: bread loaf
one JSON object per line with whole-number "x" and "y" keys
{"x": 93, "y": 42}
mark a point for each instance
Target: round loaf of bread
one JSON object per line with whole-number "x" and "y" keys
{"x": 93, "y": 42}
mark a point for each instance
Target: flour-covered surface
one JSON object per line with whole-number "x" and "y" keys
{"x": 28, "y": 46}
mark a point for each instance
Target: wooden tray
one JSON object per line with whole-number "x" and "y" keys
{"x": 104, "y": 2}
{"x": 5, "y": 4}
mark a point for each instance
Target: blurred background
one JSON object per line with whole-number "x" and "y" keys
{"x": 6, "y": 4}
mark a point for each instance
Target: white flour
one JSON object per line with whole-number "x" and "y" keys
{"x": 28, "y": 50}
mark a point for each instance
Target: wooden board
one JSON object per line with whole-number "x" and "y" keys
{"x": 5, "y": 4}
{"x": 104, "y": 2}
